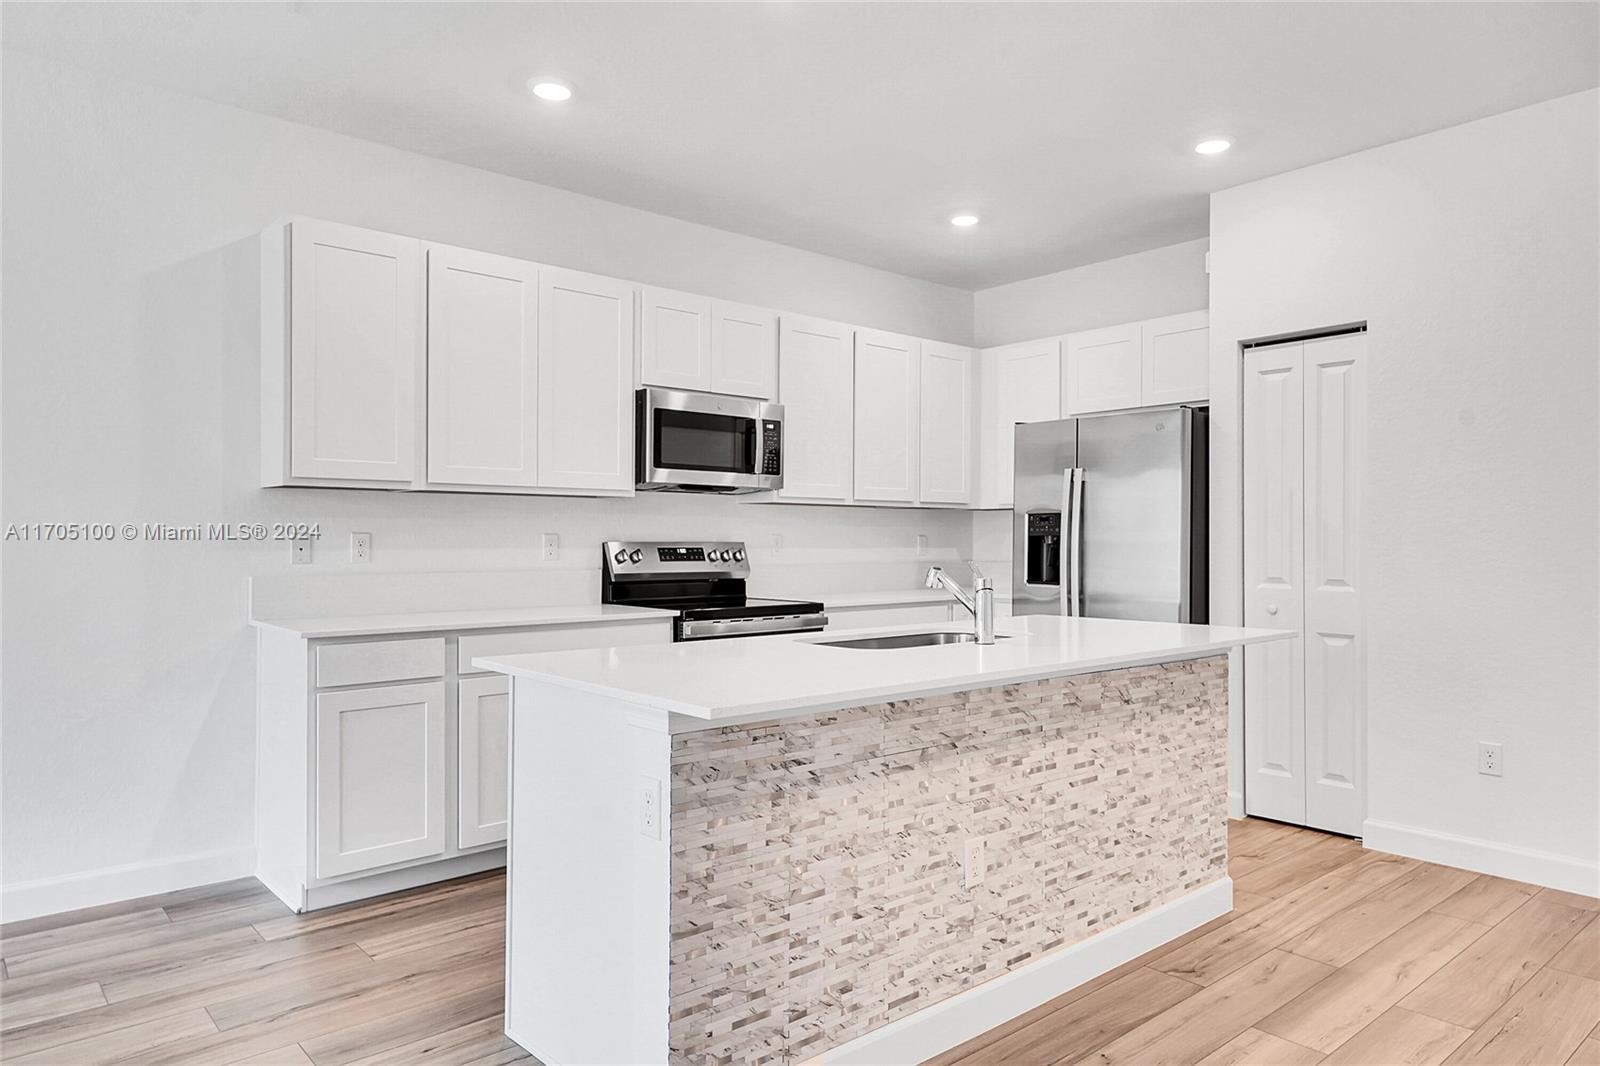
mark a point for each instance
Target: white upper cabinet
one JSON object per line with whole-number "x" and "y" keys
{"x": 352, "y": 330}
{"x": 585, "y": 375}
{"x": 704, "y": 345}
{"x": 815, "y": 386}
{"x": 1021, "y": 383}
{"x": 744, "y": 350}
{"x": 887, "y": 400}
{"x": 1103, "y": 371}
{"x": 1177, "y": 359}
{"x": 674, "y": 340}
{"x": 483, "y": 371}
{"x": 946, "y": 416}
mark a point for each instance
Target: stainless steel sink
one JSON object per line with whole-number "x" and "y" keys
{"x": 905, "y": 640}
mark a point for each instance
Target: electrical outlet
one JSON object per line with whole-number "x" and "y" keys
{"x": 777, "y": 543}
{"x": 361, "y": 547}
{"x": 550, "y": 545}
{"x": 649, "y": 807}
{"x": 974, "y": 862}
{"x": 300, "y": 550}
{"x": 1490, "y": 759}
{"x": 922, "y": 545}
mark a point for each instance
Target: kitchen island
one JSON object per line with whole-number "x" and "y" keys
{"x": 778, "y": 848}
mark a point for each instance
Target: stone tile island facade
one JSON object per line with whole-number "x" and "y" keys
{"x": 816, "y": 862}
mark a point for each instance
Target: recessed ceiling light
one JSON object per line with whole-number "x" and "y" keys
{"x": 963, "y": 220}
{"x": 1214, "y": 146}
{"x": 553, "y": 91}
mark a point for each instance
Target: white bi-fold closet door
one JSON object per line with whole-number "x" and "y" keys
{"x": 1304, "y": 700}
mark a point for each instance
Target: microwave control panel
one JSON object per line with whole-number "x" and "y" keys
{"x": 771, "y": 447}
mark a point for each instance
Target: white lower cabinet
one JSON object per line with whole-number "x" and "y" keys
{"x": 379, "y": 776}
{"x": 483, "y": 720}
{"x": 379, "y": 767}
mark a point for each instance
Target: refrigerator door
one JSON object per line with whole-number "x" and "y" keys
{"x": 1135, "y": 515}
{"x": 1039, "y": 529}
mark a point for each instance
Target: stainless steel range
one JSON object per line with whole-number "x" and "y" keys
{"x": 703, "y": 581}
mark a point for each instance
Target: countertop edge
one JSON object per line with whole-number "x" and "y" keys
{"x": 454, "y": 622}
{"x": 715, "y": 716}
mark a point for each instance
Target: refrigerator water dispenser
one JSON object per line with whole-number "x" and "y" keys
{"x": 1044, "y": 548}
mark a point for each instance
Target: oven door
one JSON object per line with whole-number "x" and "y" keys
{"x": 702, "y": 442}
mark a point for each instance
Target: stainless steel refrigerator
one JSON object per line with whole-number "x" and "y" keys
{"x": 1109, "y": 517}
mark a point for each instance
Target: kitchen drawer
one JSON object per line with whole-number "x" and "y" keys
{"x": 559, "y": 638}
{"x": 373, "y": 661}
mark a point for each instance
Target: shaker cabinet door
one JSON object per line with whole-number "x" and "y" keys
{"x": 1177, "y": 359}
{"x": 674, "y": 340}
{"x": 744, "y": 350}
{"x": 355, "y": 348}
{"x": 945, "y": 424}
{"x": 585, "y": 381}
{"x": 1103, "y": 370}
{"x": 483, "y": 369}
{"x": 815, "y": 386}
{"x": 379, "y": 777}
{"x": 483, "y": 712}
{"x": 886, "y": 409}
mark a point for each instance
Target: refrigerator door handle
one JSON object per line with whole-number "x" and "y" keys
{"x": 1072, "y": 507}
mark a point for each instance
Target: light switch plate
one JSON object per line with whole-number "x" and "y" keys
{"x": 922, "y": 545}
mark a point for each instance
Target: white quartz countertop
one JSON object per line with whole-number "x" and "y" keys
{"x": 754, "y": 677}
{"x": 495, "y": 618}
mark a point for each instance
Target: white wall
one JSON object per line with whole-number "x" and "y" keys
{"x": 1471, "y": 253}
{"x": 1162, "y": 281}
{"x": 130, "y": 340}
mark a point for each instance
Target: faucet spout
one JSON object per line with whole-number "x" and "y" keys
{"x": 980, "y": 602}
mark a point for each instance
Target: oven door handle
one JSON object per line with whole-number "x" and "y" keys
{"x": 744, "y": 627}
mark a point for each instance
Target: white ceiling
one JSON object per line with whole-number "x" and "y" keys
{"x": 856, "y": 130}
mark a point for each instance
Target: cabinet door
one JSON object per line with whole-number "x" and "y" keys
{"x": 355, "y": 349}
{"x": 674, "y": 340}
{"x": 886, "y": 403}
{"x": 483, "y": 709}
{"x": 585, "y": 377}
{"x": 380, "y": 773}
{"x": 1274, "y": 537}
{"x": 483, "y": 368}
{"x": 1027, "y": 388}
{"x": 946, "y": 417}
{"x": 1103, "y": 370}
{"x": 815, "y": 385}
{"x": 744, "y": 350}
{"x": 1177, "y": 359}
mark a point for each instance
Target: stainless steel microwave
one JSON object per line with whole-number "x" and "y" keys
{"x": 704, "y": 442}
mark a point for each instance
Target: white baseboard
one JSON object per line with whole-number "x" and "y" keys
{"x": 1484, "y": 856}
{"x": 918, "y": 1037}
{"x": 52, "y": 895}
{"x": 1236, "y": 805}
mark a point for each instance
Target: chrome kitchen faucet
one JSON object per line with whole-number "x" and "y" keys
{"x": 980, "y": 602}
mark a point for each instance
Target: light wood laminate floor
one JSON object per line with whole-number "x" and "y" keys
{"x": 1331, "y": 954}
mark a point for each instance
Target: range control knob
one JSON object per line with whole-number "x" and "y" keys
{"x": 620, "y": 557}
{"x": 725, "y": 555}
{"x": 635, "y": 555}
{"x": 711, "y": 555}
{"x": 738, "y": 555}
